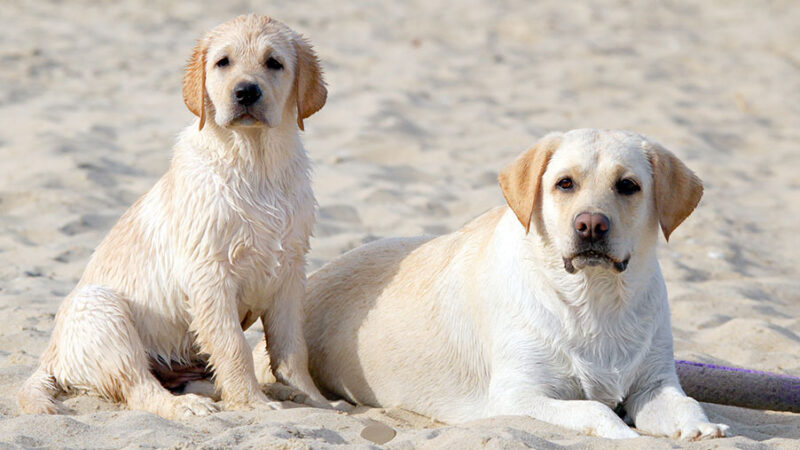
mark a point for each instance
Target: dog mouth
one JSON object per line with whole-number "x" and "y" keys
{"x": 594, "y": 258}
{"x": 246, "y": 119}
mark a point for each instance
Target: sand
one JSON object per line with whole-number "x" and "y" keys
{"x": 428, "y": 100}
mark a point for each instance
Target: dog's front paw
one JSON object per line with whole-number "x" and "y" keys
{"x": 258, "y": 402}
{"x": 614, "y": 432}
{"x": 338, "y": 405}
{"x": 695, "y": 431}
{"x": 598, "y": 420}
{"x": 194, "y": 405}
{"x": 341, "y": 405}
{"x": 286, "y": 393}
{"x": 266, "y": 404}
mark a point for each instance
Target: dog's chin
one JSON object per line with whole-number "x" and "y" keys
{"x": 591, "y": 258}
{"x": 246, "y": 119}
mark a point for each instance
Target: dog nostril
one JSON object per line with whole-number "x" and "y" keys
{"x": 601, "y": 225}
{"x": 582, "y": 225}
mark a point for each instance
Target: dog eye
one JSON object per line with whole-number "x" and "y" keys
{"x": 627, "y": 187}
{"x": 222, "y": 62}
{"x": 274, "y": 64}
{"x": 565, "y": 184}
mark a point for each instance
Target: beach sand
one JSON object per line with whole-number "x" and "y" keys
{"x": 428, "y": 100}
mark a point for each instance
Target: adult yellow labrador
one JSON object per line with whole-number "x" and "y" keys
{"x": 219, "y": 242}
{"x": 553, "y": 306}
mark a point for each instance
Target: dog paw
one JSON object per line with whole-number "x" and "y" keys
{"x": 322, "y": 402}
{"x": 600, "y": 421}
{"x": 259, "y": 402}
{"x": 195, "y": 405}
{"x": 341, "y": 405}
{"x": 267, "y": 405}
{"x": 336, "y": 405}
{"x": 696, "y": 431}
{"x": 613, "y": 428}
{"x": 285, "y": 393}
{"x": 616, "y": 432}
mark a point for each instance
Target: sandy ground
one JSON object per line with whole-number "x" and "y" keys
{"x": 428, "y": 100}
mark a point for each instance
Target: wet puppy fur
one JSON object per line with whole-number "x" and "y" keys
{"x": 218, "y": 243}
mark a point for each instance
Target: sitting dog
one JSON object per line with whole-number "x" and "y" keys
{"x": 217, "y": 243}
{"x": 553, "y": 307}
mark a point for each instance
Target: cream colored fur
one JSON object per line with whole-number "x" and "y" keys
{"x": 487, "y": 321}
{"x": 219, "y": 242}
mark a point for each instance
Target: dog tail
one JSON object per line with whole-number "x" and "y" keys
{"x": 739, "y": 387}
{"x": 38, "y": 393}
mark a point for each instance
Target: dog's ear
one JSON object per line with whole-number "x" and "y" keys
{"x": 521, "y": 180}
{"x": 194, "y": 82}
{"x": 677, "y": 190}
{"x": 308, "y": 82}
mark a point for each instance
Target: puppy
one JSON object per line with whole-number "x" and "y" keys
{"x": 553, "y": 307}
{"x": 217, "y": 243}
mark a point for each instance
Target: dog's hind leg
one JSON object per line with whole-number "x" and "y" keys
{"x": 37, "y": 394}
{"x": 95, "y": 346}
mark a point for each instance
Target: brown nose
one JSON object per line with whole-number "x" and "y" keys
{"x": 591, "y": 226}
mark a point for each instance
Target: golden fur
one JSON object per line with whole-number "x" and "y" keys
{"x": 489, "y": 321}
{"x": 217, "y": 243}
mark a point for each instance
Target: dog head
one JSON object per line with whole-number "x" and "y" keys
{"x": 251, "y": 71}
{"x": 598, "y": 197}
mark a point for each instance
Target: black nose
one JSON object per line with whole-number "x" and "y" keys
{"x": 591, "y": 226}
{"x": 246, "y": 94}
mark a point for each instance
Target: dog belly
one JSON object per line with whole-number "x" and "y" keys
{"x": 163, "y": 327}
{"x": 417, "y": 380}
{"x": 394, "y": 360}
{"x": 168, "y": 341}
{"x": 174, "y": 375}
{"x": 375, "y": 340}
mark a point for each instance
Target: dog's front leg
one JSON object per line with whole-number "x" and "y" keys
{"x": 656, "y": 401}
{"x": 521, "y": 384}
{"x": 587, "y": 416}
{"x": 664, "y": 409}
{"x": 286, "y": 345}
{"x": 219, "y": 334}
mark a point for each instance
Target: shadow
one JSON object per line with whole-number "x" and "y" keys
{"x": 755, "y": 424}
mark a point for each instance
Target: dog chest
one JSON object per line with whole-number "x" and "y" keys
{"x": 604, "y": 365}
{"x": 574, "y": 361}
{"x": 601, "y": 381}
{"x": 268, "y": 227}
{"x": 587, "y": 345}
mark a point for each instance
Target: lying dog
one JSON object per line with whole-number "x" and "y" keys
{"x": 553, "y": 307}
{"x": 217, "y": 243}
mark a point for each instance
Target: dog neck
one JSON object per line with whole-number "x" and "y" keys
{"x": 262, "y": 151}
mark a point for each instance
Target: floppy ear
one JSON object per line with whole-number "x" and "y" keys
{"x": 521, "y": 180}
{"x": 194, "y": 82}
{"x": 309, "y": 85}
{"x": 677, "y": 189}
